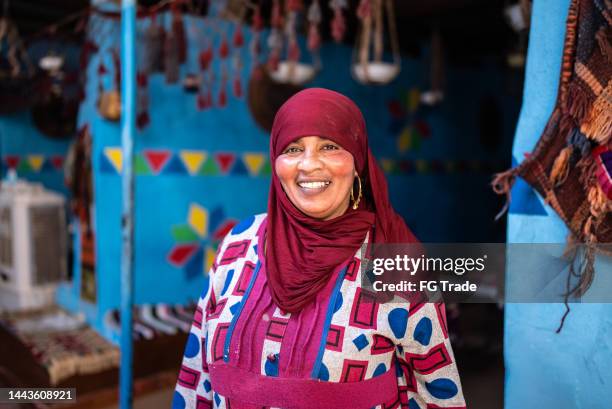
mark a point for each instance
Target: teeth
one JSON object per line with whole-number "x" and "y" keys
{"x": 313, "y": 185}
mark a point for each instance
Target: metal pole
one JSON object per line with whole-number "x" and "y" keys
{"x": 128, "y": 94}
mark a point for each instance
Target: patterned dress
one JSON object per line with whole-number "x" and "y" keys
{"x": 344, "y": 350}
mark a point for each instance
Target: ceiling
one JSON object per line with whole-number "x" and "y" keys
{"x": 470, "y": 28}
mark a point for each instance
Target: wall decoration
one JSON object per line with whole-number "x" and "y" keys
{"x": 196, "y": 241}
{"x": 33, "y": 163}
{"x": 188, "y": 162}
{"x": 406, "y": 123}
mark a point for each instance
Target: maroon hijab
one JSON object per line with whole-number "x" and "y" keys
{"x": 302, "y": 252}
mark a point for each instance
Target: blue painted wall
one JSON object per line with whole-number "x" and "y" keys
{"x": 545, "y": 369}
{"x": 19, "y": 137}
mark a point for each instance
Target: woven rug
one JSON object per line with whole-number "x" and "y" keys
{"x": 62, "y": 346}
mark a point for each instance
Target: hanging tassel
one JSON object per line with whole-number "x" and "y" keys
{"x": 222, "y": 100}
{"x": 102, "y": 69}
{"x": 273, "y": 60}
{"x": 171, "y": 58}
{"x": 502, "y": 184}
{"x": 237, "y": 85}
{"x": 238, "y": 40}
{"x": 314, "y": 19}
{"x": 314, "y": 38}
{"x": 577, "y": 102}
{"x": 205, "y": 58}
{"x": 598, "y": 200}
{"x": 276, "y": 20}
{"x": 293, "y": 54}
{"x": 178, "y": 30}
{"x": 224, "y": 48}
{"x": 364, "y": 9}
{"x": 153, "y": 44}
{"x": 258, "y": 23}
{"x": 294, "y": 5}
{"x": 560, "y": 168}
{"x": 338, "y": 25}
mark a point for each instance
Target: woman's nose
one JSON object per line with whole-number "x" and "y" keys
{"x": 310, "y": 160}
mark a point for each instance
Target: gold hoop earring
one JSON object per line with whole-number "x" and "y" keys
{"x": 356, "y": 201}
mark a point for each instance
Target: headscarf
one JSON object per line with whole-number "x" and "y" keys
{"x": 301, "y": 252}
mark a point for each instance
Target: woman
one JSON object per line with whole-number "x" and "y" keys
{"x": 285, "y": 322}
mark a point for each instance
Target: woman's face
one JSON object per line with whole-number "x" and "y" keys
{"x": 317, "y": 175}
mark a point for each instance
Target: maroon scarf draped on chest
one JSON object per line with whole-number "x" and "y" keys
{"x": 302, "y": 252}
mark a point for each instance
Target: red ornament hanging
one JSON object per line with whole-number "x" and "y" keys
{"x": 178, "y": 29}
{"x": 142, "y": 117}
{"x": 338, "y": 24}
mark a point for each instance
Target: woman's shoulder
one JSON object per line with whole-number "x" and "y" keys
{"x": 237, "y": 242}
{"x": 245, "y": 229}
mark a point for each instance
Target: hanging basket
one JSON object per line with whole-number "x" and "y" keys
{"x": 266, "y": 96}
{"x": 375, "y": 73}
{"x": 369, "y": 67}
{"x": 294, "y": 73}
{"x": 56, "y": 117}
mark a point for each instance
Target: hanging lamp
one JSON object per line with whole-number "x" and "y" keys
{"x": 369, "y": 66}
{"x": 435, "y": 94}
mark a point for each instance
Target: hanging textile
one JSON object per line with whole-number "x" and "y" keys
{"x": 571, "y": 165}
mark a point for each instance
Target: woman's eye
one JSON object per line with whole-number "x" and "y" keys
{"x": 330, "y": 147}
{"x": 292, "y": 149}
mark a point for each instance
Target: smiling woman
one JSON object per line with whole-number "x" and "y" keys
{"x": 285, "y": 322}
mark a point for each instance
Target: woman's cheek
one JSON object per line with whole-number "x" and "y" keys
{"x": 341, "y": 162}
{"x": 285, "y": 166}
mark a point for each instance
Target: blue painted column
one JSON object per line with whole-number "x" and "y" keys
{"x": 128, "y": 127}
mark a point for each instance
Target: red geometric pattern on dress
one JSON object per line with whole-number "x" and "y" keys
{"x": 276, "y": 329}
{"x": 217, "y": 311}
{"x": 403, "y": 396}
{"x": 203, "y": 403}
{"x": 381, "y": 345}
{"x": 352, "y": 269}
{"x": 212, "y": 302}
{"x": 204, "y": 355}
{"x": 218, "y": 342}
{"x": 188, "y": 377}
{"x": 411, "y": 383}
{"x": 234, "y": 251}
{"x": 437, "y": 357}
{"x": 441, "y": 310}
{"x": 353, "y": 371}
{"x": 335, "y": 338}
{"x": 434, "y": 406}
{"x": 413, "y": 308}
{"x": 245, "y": 277}
{"x": 197, "y": 317}
{"x": 364, "y": 311}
